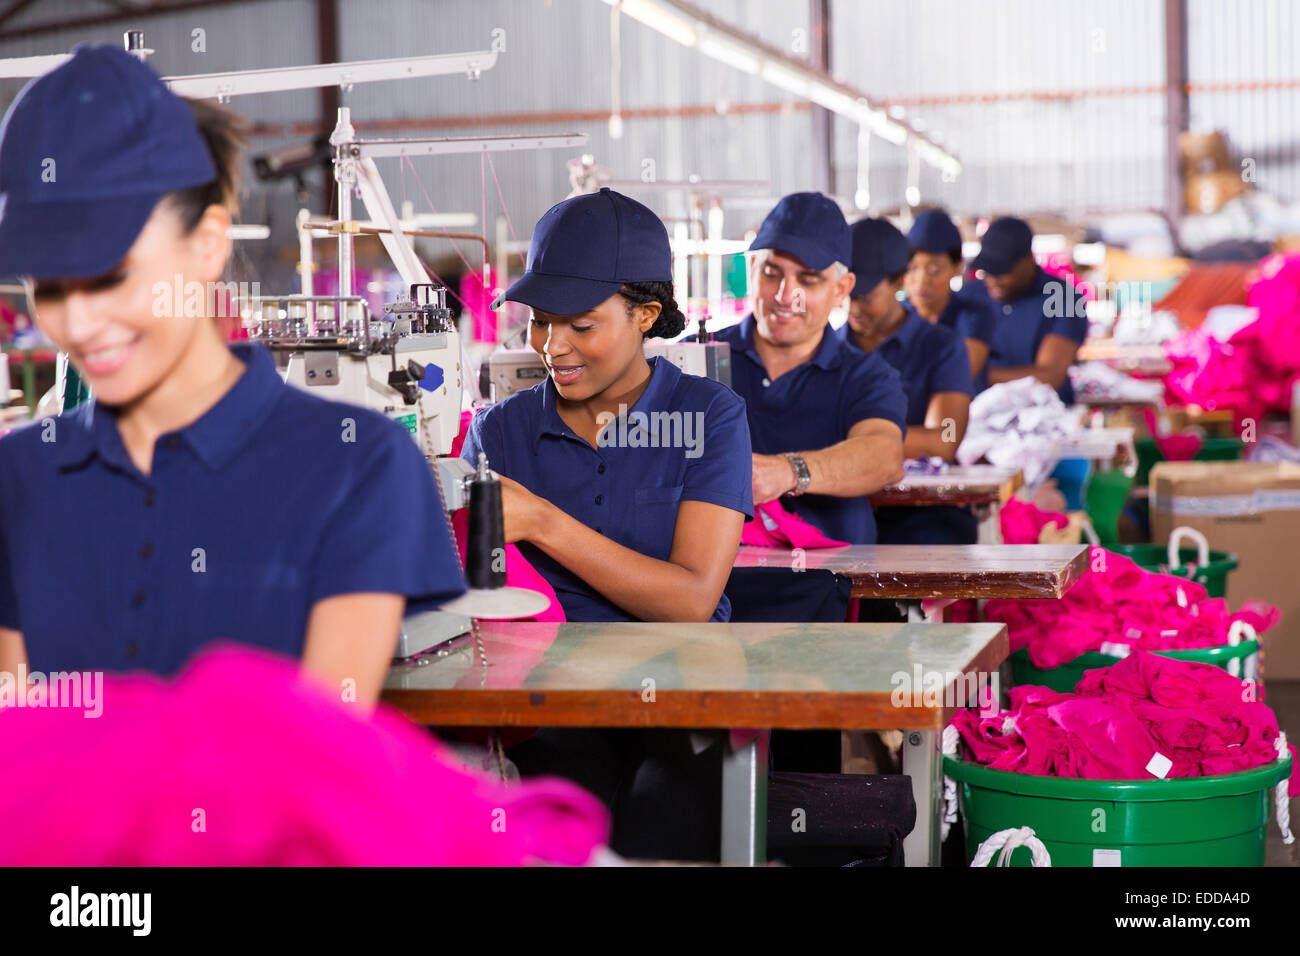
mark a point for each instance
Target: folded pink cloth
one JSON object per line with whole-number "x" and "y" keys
{"x": 1118, "y": 602}
{"x": 774, "y": 527}
{"x": 242, "y": 762}
{"x": 1022, "y": 522}
{"x": 1197, "y": 716}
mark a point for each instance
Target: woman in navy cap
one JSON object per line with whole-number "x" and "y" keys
{"x": 935, "y": 263}
{"x": 197, "y": 497}
{"x": 933, "y": 367}
{"x": 625, "y": 483}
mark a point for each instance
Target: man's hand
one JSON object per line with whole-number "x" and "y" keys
{"x": 773, "y": 477}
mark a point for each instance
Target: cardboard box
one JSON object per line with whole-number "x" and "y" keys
{"x": 1252, "y": 510}
{"x": 1208, "y": 192}
{"x": 1203, "y": 152}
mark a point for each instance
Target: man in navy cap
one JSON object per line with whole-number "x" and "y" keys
{"x": 826, "y": 420}
{"x": 1041, "y": 317}
{"x": 935, "y": 263}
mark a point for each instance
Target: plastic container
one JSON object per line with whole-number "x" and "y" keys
{"x": 1066, "y": 676}
{"x": 1207, "y": 568}
{"x": 1189, "y": 821}
{"x": 1071, "y": 475}
{"x": 1106, "y": 495}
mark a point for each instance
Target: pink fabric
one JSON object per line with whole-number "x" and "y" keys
{"x": 275, "y": 769}
{"x": 774, "y": 527}
{"x": 519, "y": 573}
{"x": 1118, "y": 602}
{"x": 1119, "y": 717}
{"x": 1254, "y": 372}
{"x": 1022, "y": 522}
{"x": 476, "y": 296}
{"x": 1172, "y": 447}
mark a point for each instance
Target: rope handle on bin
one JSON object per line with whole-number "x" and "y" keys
{"x": 1240, "y": 630}
{"x": 1281, "y": 800}
{"x": 1175, "y": 539}
{"x": 1004, "y": 842}
{"x": 950, "y": 739}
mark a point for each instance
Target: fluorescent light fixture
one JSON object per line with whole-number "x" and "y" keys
{"x": 662, "y": 19}
{"x": 1048, "y": 243}
{"x": 788, "y": 79}
{"x": 729, "y": 53}
{"x": 833, "y": 99}
{"x": 1090, "y": 253}
{"x": 886, "y": 128}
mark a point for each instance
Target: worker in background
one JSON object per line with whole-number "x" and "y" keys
{"x": 935, "y": 264}
{"x": 933, "y": 367}
{"x": 826, "y": 420}
{"x": 1041, "y": 318}
{"x": 197, "y": 497}
{"x": 625, "y": 483}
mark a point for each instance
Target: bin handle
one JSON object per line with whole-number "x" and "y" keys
{"x": 1005, "y": 841}
{"x": 1089, "y": 532}
{"x": 1235, "y": 634}
{"x": 950, "y": 738}
{"x": 1281, "y": 803}
{"x": 1202, "y": 546}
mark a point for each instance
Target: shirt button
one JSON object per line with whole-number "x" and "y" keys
{"x": 132, "y": 649}
{"x": 599, "y": 499}
{"x": 146, "y": 550}
{"x": 150, "y": 498}
{"x": 600, "y": 469}
{"x": 1006, "y": 310}
{"x": 767, "y": 382}
{"x": 137, "y": 599}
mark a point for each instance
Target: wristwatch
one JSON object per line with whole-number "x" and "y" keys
{"x": 801, "y": 473}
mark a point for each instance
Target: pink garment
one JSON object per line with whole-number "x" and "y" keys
{"x": 774, "y": 527}
{"x": 1119, "y": 717}
{"x": 1023, "y": 522}
{"x": 1172, "y": 447}
{"x": 241, "y": 762}
{"x": 1118, "y": 602}
{"x": 476, "y": 296}
{"x": 519, "y": 573}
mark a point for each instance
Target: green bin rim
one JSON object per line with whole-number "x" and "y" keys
{"x": 1092, "y": 660}
{"x": 1219, "y": 560}
{"x": 1121, "y": 791}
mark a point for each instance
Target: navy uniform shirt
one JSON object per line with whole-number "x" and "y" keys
{"x": 971, "y": 317}
{"x": 1050, "y": 306}
{"x": 684, "y": 439}
{"x": 271, "y": 501}
{"x": 812, "y": 407}
{"x": 929, "y": 359}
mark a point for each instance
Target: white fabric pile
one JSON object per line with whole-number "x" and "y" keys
{"x": 1099, "y": 380}
{"x": 1018, "y": 425}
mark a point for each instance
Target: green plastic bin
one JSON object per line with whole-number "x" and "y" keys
{"x": 1189, "y": 821}
{"x": 1212, "y": 449}
{"x": 1212, "y": 575}
{"x": 1065, "y": 677}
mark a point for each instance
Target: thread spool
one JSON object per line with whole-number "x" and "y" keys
{"x": 485, "y": 565}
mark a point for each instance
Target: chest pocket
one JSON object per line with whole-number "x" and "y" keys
{"x": 655, "y": 520}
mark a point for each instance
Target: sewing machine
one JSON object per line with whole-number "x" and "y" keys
{"x": 513, "y": 370}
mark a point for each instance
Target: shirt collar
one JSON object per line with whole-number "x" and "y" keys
{"x": 215, "y": 437}
{"x": 827, "y": 356}
{"x": 664, "y": 376}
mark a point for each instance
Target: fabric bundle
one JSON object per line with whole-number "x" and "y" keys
{"x": 1120, "y": 604}
{"x": 774, "y": 527}
{"x": 1099, "y": 380}
{"x": 1147, "y": 716}
{"x": 1023, "y": 522}
{"x": 1018, "y": 424}
{"x": 242, "y": 762}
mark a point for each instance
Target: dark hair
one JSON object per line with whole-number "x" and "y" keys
{"x": 897, "y": 276}
{"x": 671, "y": 322}
{"x": 225, "y": 133}
{"x": 955, "y": 255}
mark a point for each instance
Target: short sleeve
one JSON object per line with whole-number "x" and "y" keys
{"x": 1074, "y": 323}
{"x": 978, "y": 320}
{"x": 480, "y": 437}
{"x": 722, "y": 470}
{"x": 390, "y": 533}
{"x": 873, "y": 390}
{"x": 952, "y": 365}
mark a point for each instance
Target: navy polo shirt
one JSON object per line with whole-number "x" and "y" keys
{"x": 1050, "y": 306}
{"x": 271, "y": 501}
{"x": 929, "y": 359}
{"x": 684, "y": 439}
{"x": 971, "y": 317}
{"x": 813, "y": 407}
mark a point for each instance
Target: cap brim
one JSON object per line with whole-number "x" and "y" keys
{"x": 811, "y": 254}
{"x": 992, "y": 264}
{"x": 560, "y": 295}
{"x": 865, "y": 284}
{"x": 70, "y": 239}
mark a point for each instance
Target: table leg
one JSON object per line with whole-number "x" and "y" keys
{"x": 989, "y": 529}
{"x": 923, "y": 762}
{"x": 744, "y": 803}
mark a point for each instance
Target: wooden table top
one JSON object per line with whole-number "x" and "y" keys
{"x": 831, "y": 676}
{"x": 906, "y": 571}
{"x": 958, "y": 485}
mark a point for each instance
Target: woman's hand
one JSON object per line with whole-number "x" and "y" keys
{"x": 523, "y": 510}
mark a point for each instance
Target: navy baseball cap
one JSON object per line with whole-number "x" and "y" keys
{"x": 808, "y": 226}
{"x": 588, "y": 247}
{"x": 879, "y": 250}
{"x": 86, "y": 152}
{"x": 1005, "y": 242}
{"x": 934, "y": 232}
